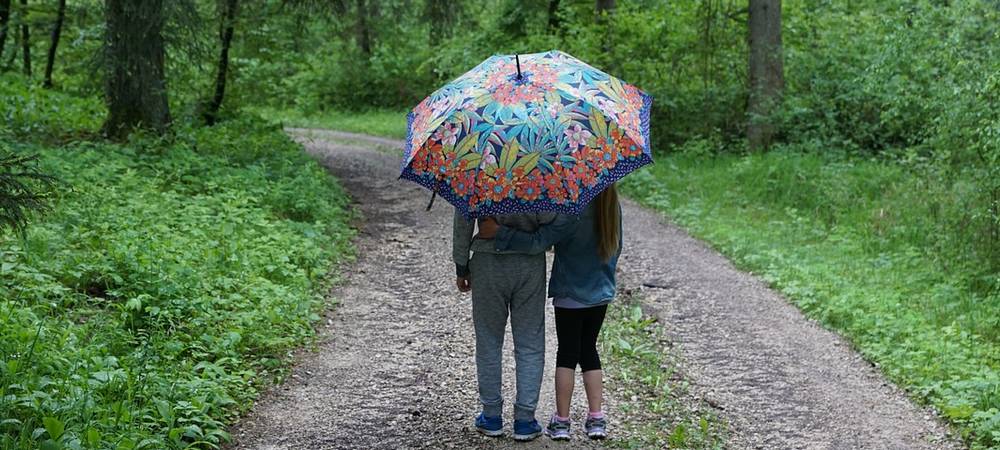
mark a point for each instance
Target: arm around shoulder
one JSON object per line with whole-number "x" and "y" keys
{"x": 510, "y": 239}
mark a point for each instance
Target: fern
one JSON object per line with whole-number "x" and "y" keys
{"x": 23, "y": 189}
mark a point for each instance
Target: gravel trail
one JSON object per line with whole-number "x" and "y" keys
{"x": 394, "y": 366}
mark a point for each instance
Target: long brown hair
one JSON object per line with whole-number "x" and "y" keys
{"x": 607, "y": 219}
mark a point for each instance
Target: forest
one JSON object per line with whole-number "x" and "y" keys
{"x": 164, "y": 246}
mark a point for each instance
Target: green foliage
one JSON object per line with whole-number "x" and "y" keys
{"x": 634, "y": 345}
{"x": 876, "y": 76}
{"x": 872, "y": 249}
{"x": 27, "y": 110}
{"x": 164, "y": 289}
{"x": 75, "y": 63}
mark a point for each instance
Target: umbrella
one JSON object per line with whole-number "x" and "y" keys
{"x": 527, "y": 133}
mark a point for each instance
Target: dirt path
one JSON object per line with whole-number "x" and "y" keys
{"x": 395, "y": 367}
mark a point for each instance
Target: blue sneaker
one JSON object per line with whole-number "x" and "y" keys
{"x": 490, "y": 426}
{"x": 526, "y": 430}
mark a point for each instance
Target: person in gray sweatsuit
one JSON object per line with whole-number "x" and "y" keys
{"x": 502, "y": 284}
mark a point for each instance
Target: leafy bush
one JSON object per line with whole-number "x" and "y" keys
{"x": 148, "y": 308}
{"x": 28, "y": 110}
{"x": 877, "y": 76}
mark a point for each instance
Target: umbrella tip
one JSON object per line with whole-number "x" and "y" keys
{"x": 517, "y": 59}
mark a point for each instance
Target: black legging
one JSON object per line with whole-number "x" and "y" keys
{"x": 577, "y": 330}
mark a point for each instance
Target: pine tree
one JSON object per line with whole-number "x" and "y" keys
{"x": 136, "y": 86}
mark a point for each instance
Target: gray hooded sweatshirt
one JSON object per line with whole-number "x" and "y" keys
{"x": 463, "y": 241}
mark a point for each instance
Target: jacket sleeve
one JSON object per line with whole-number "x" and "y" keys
{"x": 461, "y": 243}
{"x": 510, "y": 239}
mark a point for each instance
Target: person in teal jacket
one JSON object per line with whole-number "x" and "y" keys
{"x": 581, "y": 286}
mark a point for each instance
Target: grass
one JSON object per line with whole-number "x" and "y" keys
{"x": 166, "y": 286}
{"x": 374, "y": 122}
{"x": 638, "y": 362}
{"x": 853, "y": 244}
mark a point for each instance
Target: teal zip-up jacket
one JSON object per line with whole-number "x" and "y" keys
{"x": 578, "y": 273}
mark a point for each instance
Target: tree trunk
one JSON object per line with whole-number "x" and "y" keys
{"x": 554, "y": 15}
{"x": 228, "y": 27}
{"x": 4, "y": 21}
{"x": 707, "y": 12}
{"x": 300, "y": 23}
{"x": 13, "y": 54}
{"x": 441, "y": 16}
{"x": 56, "y": 32}
{"x": 136, "y": 87}
{"x": 766, "y": 71}
{"x": 607, "y": 6}
{"x": 362, "y": 33}
{"x": 604, "y": 9}
{"x": 25, "y": 39}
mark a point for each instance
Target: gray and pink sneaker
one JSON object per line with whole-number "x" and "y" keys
{"x": 597, "y": 428}
{"x": 558, "y": 430}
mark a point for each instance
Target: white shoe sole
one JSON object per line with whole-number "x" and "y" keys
{"x": 556, "y": 438}
{"x": 527, "y": 437}
{"x": 490, "y": 433}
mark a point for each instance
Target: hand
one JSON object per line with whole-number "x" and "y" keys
{"x": 464, "y": 284}
{"x": 488, "y": 228}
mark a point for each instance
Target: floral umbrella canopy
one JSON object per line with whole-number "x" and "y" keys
{"x": 527, "y": 133}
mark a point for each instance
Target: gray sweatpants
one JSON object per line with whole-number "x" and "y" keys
{"x": 514, "y": 284}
